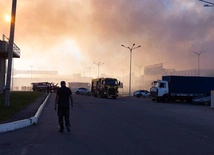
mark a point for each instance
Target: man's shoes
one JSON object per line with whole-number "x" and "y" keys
{"x": 68, "y": 128}
{"x": 61, "y": 130}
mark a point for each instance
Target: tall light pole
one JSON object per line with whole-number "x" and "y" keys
{"x": 98, "y": 66}
{"x": 208, "y": 4}
{"x": 89, "y": 68}
{"x": 199, "y": 60}
{"x": 12, "y": 82}
{"x": 10, "y": 54}
{"x": 130, "y": 76}
{"x": 123, "y": 79}
{"x": 139, "y": 73}
{"x": 31, "y": 73}
{"x": 83, "y": 76}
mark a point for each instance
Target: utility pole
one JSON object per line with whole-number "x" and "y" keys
{"x": 98, "y": 66}
{"x": 10, "y": 54}
{"x": 123, "y": 79}
{"x": 31, "y": 73}
{"x": 89, "y": 68}
{"x": 199, "y": 60}
{"x": 130, "y": 74}
{"x": 139, "y": 73}
{"x": 84, "y": 76}
{"x": 12, "y": 71}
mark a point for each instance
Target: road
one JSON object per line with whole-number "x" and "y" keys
{"x": 125, "y": 126}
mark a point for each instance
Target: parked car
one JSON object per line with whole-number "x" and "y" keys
{"x": 206, "y": 100}
{"x": 141, "y": 93}
{"x": 82, "y": 91}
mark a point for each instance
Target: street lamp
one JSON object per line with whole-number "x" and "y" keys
{"x": 10, "y": 54}
{"x": 89, "y": 68}
{"x": 12, "y": 82}
{"x": 31, "y": 73}
{"x": 123, "y": 79}
{"x": 130, "y": 49}
{"x": 209, "y": 4}
{"x": 139, "y": 73}
{"x": 83, "y": 76}
{"x": 98, "y": 66}
{"x": 199, "y": 60}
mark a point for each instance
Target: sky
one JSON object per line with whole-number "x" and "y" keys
{"x": 69, "y": 35}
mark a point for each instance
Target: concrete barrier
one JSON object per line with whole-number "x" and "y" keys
{"x": 25, "y": 122}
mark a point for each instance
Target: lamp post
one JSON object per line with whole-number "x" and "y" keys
{"x": 89, "y": 68}
{"x": 199, "y": 60}
{"x": 139, "y": 73}
{"x": 83, "y": 76}
{"x": 98, "y": 66}
{"x": 31, "y": 73}
{"x": 10, "y": 54}
{"x": 208, "y": 4}
{"x": 130, "y": 49}
{"x": 123, "y": 79}
{"x": 12, "y": 82}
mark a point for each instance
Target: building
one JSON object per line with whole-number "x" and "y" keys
{"x": 156, "y": 71}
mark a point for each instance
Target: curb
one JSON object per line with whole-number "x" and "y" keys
{"x": 25, "y": 122}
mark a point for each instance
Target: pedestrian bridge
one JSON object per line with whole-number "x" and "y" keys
{"x": 4, "y": 49}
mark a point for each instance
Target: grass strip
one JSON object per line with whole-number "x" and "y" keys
{"x": 18, "y": 101}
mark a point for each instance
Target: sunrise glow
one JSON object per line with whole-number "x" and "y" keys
{"x": 7, "y": 18}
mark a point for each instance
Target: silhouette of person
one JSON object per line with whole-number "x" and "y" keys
{"x": 63, "y": 100}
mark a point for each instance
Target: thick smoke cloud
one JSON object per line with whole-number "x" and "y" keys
{"x": 70, "y": 35}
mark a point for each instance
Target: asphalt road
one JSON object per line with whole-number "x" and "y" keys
{"x": 125, "y": 126}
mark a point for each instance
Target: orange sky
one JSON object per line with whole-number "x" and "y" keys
{"x": 69, "y": 35}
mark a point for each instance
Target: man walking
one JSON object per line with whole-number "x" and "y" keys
{"x": 63, "y": 96}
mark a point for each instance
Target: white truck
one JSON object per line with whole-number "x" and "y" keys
{"x": 182, "y": 88}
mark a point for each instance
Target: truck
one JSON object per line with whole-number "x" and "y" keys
{"x": 182, "y": 88}
{"x": 105, "y": 87}
{"x": 44, "y": 87}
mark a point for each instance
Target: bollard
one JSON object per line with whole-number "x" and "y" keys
{"x": 212, "y": 98}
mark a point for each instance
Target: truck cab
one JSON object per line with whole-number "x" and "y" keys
{"x": 159, "y": 90}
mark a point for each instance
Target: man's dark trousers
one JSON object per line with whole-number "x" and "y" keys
{"x": 63, "y": 112}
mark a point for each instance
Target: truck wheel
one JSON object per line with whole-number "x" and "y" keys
{"x": 94, "y": 95}
{"x": 165, "y": 99}
{"x": 207, "y": 103}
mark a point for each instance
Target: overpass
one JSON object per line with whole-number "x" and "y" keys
{"x": 4, "y": 49}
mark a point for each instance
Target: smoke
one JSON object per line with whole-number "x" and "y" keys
{"x": 70, "y": 35}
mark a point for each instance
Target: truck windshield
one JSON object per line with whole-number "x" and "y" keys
{"x": 111, "y": 82}
{"x": 154, "y": 83}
